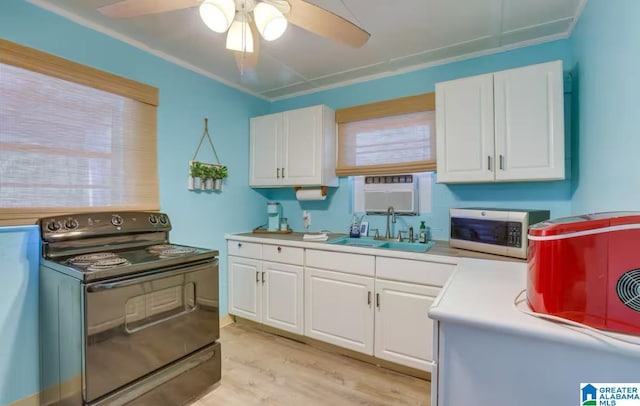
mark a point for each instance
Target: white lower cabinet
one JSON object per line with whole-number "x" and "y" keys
{"x": 282, "y": 296}
{"x": 245, "y": 291}
{"x": 268, "y": 292}
{"x": 339, "y": 309}
{"x": 404, "y": 331}
{"x": 371, "y": 304}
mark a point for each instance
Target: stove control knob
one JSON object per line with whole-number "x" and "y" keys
{"x": 71, "y": 224}
{"x": 163, "y": 219}
{"x": 153, "y": 219}
{"x": 53, "y": 226}
{"x": 116, "y": 220}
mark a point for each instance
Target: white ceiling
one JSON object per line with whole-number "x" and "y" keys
{"x": 405, "y": 35}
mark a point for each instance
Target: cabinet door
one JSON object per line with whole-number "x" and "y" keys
{"x": 339, "y": 309}
{"x": 529, "y": 110}
{"x": 282, "y": 296}
{"x": 264, "y": 161}
{"x": 464, "y": 130}
{"x": 244, "y": 287}
{"x": 404, "y": 331}
{"x": 302, "y": 146}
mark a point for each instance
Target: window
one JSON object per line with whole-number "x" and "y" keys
{"x": 72, "y": 138}
{"x": 390, "y": 137}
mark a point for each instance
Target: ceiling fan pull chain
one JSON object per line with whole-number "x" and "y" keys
{"x": 351, "y": 12}
{"x": 244, "y": 37}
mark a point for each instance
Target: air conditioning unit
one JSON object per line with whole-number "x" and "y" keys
{"x": 399, "y": 191}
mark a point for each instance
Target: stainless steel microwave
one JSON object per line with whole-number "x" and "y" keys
{"x": 494, "y": 231}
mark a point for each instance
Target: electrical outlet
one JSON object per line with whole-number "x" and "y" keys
{"x": 306, "y": 219}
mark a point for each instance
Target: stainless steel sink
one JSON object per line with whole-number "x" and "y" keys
{"x": 369, "y": 242}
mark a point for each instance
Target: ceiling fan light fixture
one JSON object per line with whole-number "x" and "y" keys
{"x": 217, "y": 14}
{"x": 270, "y": 21}
{"x": 240, "y": 34}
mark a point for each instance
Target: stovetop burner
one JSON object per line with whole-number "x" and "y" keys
{"x": 156, "y": 249}
{"x": 98, "y": 261}
{"x": 108, "y": 264}
{"x": 170, "y": 250}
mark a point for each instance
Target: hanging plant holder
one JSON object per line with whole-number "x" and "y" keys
{"x": 203, "y": 175}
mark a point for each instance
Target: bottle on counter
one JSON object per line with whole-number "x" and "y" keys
{"x": 422, "y": 236}
{"x": 354, "y": 228}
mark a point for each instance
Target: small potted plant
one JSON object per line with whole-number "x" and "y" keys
{"x": 209, "y": 173}
{"x": 220, "y": 173}
{"x": 197, "y": 173}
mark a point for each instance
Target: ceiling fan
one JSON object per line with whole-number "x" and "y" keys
{"x": 243, "y": 20}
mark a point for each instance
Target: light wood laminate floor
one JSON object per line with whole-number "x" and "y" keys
{"x": 259, "y": 368}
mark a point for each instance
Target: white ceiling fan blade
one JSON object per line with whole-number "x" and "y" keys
{"x": 326, "y": 24}
{"x": 249, "y": 60}
{"x": 134, "y": 8}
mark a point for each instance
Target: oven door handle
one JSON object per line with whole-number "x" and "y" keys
{"x": 157, "y": 275}
{"x": 162, "y": 320}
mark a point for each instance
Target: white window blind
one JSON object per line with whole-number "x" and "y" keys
{"x": 67, "y": 147}
{"x": 373, "y": 140}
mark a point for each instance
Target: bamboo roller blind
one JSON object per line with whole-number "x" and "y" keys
{"x": 390, "y": 137}
{"x": 72, "y": 138}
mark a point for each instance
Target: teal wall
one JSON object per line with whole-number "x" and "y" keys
{"x": 19, "y": 256}
{"x": 199, "y": 219}
{"x": 335, "y": 212}
{"x": 602, "y": 56}
{"x": 607, "y": 54}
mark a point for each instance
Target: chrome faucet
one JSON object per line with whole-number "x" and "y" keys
{"x": 390, "y": 212}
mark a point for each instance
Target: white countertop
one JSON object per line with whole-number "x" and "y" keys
{"x": 481, "y": 293}
{"x": 441, "y": 252}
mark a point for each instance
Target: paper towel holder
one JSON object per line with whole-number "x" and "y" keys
{"x": 323, "y": 189}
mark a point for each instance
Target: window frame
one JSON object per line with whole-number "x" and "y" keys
{"x": 27, "y": 58}
{"x": 387, "y": 108}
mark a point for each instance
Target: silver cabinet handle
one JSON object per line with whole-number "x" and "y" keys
{"x": 369, "y": 298}
{"x": 257, "y": 276}
{"x": 501, "y": 162}
{"x": 282, "y": 172}
{"x": 263, "y": 278}
{"x": 278, "y": 173}
{"x": 378, "y": 300}
{"x": 279, "y": 249}
{"x": 489, "y": 162}
{"x": 239, "y": 245}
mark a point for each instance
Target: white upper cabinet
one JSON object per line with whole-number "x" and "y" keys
{"x": 266, "y": 132}
{"x": 464, "y": 129}
{"x": 503, "y": 126}
{"x": 294, "y": 148}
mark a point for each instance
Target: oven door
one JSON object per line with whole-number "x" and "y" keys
{"x": 138, "y": 324}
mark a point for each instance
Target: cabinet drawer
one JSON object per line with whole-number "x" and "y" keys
{"x": 339, "y": 261}
{"x": 407, "y": 270}
{"x": 283, "y": 254}
{"x": 244, "y": 249}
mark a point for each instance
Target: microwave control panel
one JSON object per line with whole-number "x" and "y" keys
{"x": 514, "y": 234}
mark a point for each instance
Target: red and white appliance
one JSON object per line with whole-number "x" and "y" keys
{"x": 587, "y": 269}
